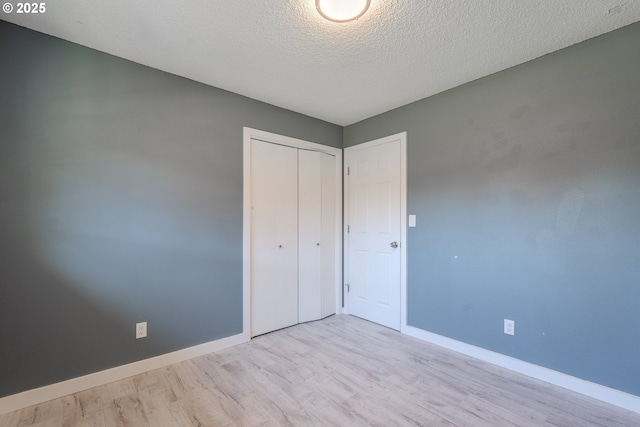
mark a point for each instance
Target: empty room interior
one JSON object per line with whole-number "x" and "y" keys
{"x": 366, "y": 212}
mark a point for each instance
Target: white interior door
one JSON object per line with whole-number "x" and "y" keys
{"x": 374, "y": 232}
{"x": 274, "y": 237}
{"x": 309, "y": 235}
{"x": 316, "y": 232}
{"x": 328, "y": 235}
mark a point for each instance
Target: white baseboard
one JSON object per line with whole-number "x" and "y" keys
{"x": 54, "y": 391}
{"x": 597, "y": 391}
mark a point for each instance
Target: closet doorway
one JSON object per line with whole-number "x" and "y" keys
{"x": 292, "y": 231}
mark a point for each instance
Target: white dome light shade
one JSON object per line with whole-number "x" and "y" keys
{"x": 342, "y": 10}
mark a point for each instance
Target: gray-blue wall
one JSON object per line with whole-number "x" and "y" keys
{"x": 120, "y": 201}
{"x": 531, "y": 177}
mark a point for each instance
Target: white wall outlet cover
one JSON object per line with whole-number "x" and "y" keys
{"x": 141, "y": 330}
{"x": 412, "y": 220}
{"x": 509, "y": 327}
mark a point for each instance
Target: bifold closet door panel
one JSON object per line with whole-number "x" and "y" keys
{"x": 274, "y": 237}
{"x": 309, "y": 235}
{"x": 328, "y": 239}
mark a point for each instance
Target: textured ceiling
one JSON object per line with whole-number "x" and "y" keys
{"x": 284, "y": 53}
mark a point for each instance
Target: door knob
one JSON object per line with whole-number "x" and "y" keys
{"x": 394, "y": 244}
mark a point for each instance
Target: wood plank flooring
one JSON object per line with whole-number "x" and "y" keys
{"x": 341, "y": 371}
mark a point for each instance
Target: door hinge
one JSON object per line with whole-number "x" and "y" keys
{"x": 346, "y": 285}
{"x": 348, "y": 229}
{"x": 348, "y": 170}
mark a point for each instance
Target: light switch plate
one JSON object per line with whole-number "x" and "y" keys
{"x": 412, "y": 220}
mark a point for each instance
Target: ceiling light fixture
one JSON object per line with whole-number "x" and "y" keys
{"x": 342, "y": 10}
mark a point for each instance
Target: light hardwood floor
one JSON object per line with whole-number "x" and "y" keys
{"x": 341, "y": 371}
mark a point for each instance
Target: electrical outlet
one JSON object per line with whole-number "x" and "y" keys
{"x": 141, "y": 330}
{"x": 509, "y": 327}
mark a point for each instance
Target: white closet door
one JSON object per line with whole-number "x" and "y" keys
{"x": 328, "y": 239}
{"x": 274, "y": 237}
{"x": 310, "y": 243}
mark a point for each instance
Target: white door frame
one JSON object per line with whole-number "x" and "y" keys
{"x": 403, "y": 219}
{"x": 248, "y": 135}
